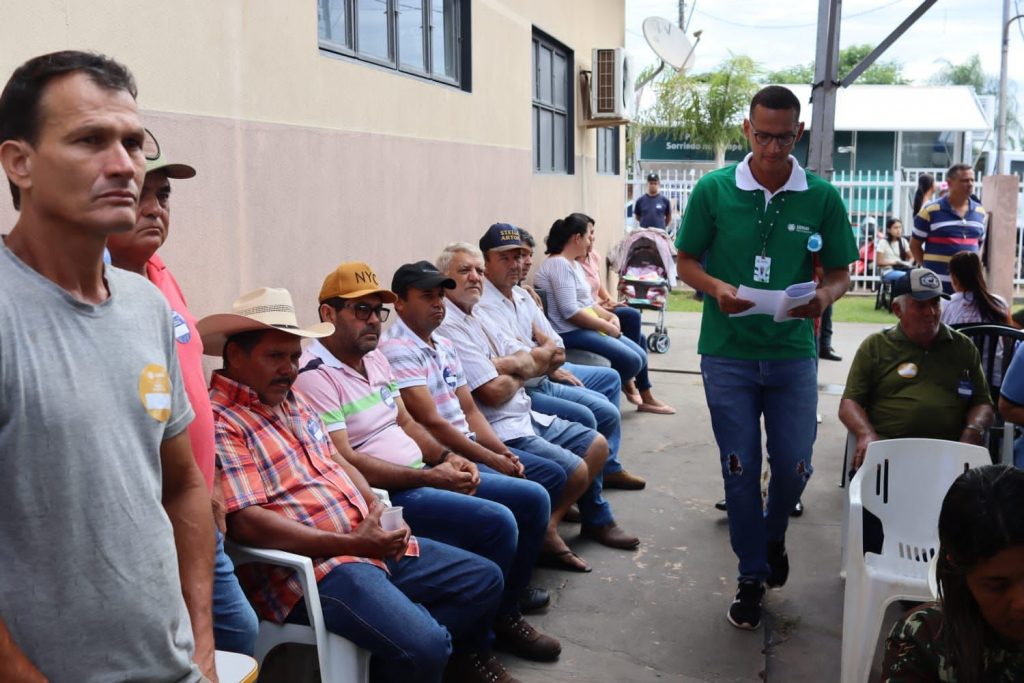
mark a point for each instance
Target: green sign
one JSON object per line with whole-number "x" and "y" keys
{"x": 660, "y": 147}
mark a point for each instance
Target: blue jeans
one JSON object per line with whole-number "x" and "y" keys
{"x": 565, "y": 443}
{"x": 405, "y": 619}
{"x": 628, "y": 358}
{"x": 589, "y": 408}
{"x": 894, "y": 275}
{"x": 505, "y": 522}
{"x": 629, "y": 323}
{"x": 548, "y": 474}
{"x": 738, "y": 393}
{"x": 235, "y": 625}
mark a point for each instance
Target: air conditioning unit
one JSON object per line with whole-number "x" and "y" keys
{"x": 611, "y": 84}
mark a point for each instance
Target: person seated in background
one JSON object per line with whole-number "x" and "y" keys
{"x": 916, "y": 379}
{"x": 975, "y": 632}
{"x": 583, "y": 325}
{"x": 444, "y": 495}
{"x": 892, "y": 253}
{"x": 286, "y": 487}
{"x": 586, "y": 394}
{"x": 629, "y": 318}
{"x": 235, "y": 625}
{"x": 496, "y": 382}
{"x": 972, "y": 302}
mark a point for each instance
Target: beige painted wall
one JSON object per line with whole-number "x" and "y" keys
{"x": 306, "y": 160}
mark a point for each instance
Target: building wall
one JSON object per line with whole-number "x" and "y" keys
{"x": 306, "y": 159}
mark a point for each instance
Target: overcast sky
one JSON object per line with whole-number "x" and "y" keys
{"x": 780, "y": 34}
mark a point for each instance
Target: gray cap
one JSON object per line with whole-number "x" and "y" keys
{"x": 920, "y": 283}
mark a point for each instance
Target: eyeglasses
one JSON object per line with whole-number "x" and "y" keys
{"x": 363, "y": 311}
{"x": 765, "y": 139}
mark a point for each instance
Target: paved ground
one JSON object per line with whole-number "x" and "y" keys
{"x": 658, "y": 614}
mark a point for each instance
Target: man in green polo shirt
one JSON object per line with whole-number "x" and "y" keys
{"x": 761, "y": 223}
{"x": 918, "y": 379}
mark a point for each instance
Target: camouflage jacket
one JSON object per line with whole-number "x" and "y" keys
{"x": 915, "y": 652}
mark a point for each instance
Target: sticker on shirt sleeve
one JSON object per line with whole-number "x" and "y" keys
{"x": 386, "y": 397}
{"x": 155, "y": 392}
{"x": 181, "y": 331}
{"x": 907, "y": 370}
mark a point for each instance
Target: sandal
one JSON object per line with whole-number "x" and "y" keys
{"x": 661, "y": 409}
{"x": 562, "y": 559}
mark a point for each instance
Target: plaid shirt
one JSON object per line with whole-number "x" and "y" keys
{"x": 287, "y": 469}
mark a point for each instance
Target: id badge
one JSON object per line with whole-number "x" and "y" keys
{"x": 762, "y": 268}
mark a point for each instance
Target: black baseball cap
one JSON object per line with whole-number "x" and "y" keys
{"x": 419, "y": 275}
{"x": 654, "y": 177}
{"x": 501, "y": 237}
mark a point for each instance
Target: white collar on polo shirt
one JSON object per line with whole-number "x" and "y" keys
{"x": 797, "y": 181}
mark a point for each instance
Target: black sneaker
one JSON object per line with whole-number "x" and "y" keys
{"x": 745, "y": 610}
{"x": 778, "y": 560}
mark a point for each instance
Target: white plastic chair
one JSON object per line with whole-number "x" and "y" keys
{"x": 235, "y": 668}
{"x": 902, "y": 482}
{"x": 341, "y": 661}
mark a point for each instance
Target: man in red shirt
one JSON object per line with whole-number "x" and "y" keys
{"x": 234, "y": 621}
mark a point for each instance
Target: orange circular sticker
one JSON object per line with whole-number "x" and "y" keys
{"x": 155, "y": 392}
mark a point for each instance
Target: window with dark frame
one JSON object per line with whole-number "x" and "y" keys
{"x": 553, "y": 130}
{"x": 608, "y": 150}
{"x": 425, "y": 38}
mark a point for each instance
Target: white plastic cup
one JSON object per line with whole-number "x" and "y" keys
{"x": 391, "y": 519}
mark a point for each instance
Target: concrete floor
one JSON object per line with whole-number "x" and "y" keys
{"x": 658, "y": 614}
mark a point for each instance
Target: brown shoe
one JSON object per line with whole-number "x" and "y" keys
{"x": 610, "y": 535}
{"x": 476, "y": 668}
{"x": 624, "y": 480}
{"x": 514, "y": 634}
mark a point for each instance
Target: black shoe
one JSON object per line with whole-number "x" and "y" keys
{"x": 778, "y": 560}
{"x": 745, "y": 610}
{"x": 720, "y": 505}
{"x": 829, "y": 353}
{"x": 533, "y": 599}
{"x": 798, "y": 509}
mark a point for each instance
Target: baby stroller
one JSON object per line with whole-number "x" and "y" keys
{"x": 645, "y": 262}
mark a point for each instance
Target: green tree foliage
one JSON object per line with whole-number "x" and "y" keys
{"x": 879, "y": 73}
{"x": 705, "y": 108}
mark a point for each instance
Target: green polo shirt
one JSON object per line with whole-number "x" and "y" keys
{"x": 729, "y": 223}
{"x": 908, "y": 391}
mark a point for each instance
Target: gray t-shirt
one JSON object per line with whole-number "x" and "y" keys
{"x": 89, "y": 584}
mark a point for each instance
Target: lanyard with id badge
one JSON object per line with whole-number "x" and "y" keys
{"x": 762, "y": 261}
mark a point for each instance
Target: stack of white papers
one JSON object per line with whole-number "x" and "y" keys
{"x": 775, "y": 302}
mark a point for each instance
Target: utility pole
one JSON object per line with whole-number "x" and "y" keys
{"x": 682, "y": 14}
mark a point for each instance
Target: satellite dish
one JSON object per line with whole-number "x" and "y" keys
{"x": 669, "y": 42}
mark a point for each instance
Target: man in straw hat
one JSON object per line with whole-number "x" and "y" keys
{"x": 105, "y": 520}
{"x": 235, "y": 625}
{"x": 444, "y": 495}
{"x": 287, "y": 487}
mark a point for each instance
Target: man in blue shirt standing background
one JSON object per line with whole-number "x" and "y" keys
{"x": 653, "y": 210}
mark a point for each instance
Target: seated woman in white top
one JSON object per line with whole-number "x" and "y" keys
{"x": 892, "y": 254}
{"x": 581, "y": 324}
{"x": 972, "y": 302}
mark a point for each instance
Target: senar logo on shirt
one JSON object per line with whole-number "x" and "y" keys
{"x": 795, "y": 227}
{"x": 155, "y": 392}
{"x": 907, "y": 370}
{"x": 386, "y": 397}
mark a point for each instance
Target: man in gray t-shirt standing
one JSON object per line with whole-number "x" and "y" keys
{"x": 106, "y": 535}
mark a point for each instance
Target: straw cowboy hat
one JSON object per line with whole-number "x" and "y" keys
{"x": 266, "y": 308}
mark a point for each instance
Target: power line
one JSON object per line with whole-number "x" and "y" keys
{"x": 791, "y": 26}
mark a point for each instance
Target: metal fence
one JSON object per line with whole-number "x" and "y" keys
{"x": 871, "y": 197}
